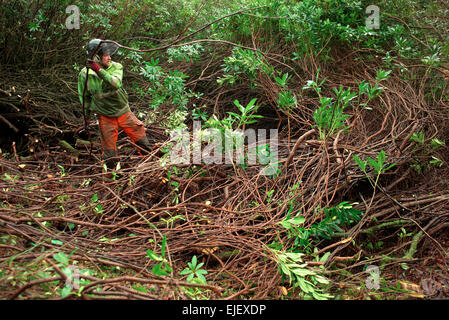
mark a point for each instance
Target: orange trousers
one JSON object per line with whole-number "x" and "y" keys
{"x": 109, "y": 127}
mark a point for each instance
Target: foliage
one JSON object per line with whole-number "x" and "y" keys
{"x": 292, "y": 265}
{"x": 329, "y": 116}
{"x": 230, "y": 127}
{"x": 243, "y": 62}
{"x": 379, "y": 165}
{"x": 286, "y": 98}
{"x": 165, "y": 87}
{"x": 312, "y": 27}
{"x": 246, "y": 115}
{"x": 97, "y": 207}
{"x": 162, "y": 268}
{"x": 186, "y": 53}
{"x": 372, "y": 91}
{"x": 284, "y": 35}
{"x": 340, "y": 215}
{"x": 427, "y": 155}
{"x": 334, "y": 219}
{"x": 74, "y": 276}
{"x": 194, "y": 270}
{"x": 235, "y": 121}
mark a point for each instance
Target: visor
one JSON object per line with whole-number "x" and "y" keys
{"x": 105, "y": 48}
{"x": 108, "y": 48}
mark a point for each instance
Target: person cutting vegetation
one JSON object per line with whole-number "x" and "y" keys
{"x": 106, "y": 97}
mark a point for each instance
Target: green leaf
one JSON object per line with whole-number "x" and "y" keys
{"x": 43, "y": 274}
{"x": 321, "y": 296}
{"x": 279, "y": 81}
{"x": 250, "y": 104}
{"x": 361, "y": 164}
{"x": 374, "y": 164}
{"x": 167, "y": 268}
{"x": 67, "y": 271}
{"x": 324, "y": 257}
{"x": 297, "y": 220}
{"x": 185, "y": 272}
{"x": 194, "y": 261}
{"x": 321, "y": 279}
{"x": 436, "y": 162}
{"x": 33, "y": 26}
{"x": 139, "y": 288}
{"x": 381, "y": 158}
{"x": 164, "y": 243}
{"x": 65, "y": 291}
{"x": 286, "y": 271}
{"x": 58, "y": 242}
{"x": 295, "y": 256}
{"x": 201, "y": 271}
{"x": 417, "y": 137}
{"x": 436, "y": 143}
{"x": 61, "y": 257}
{"x": 153, "y": 256}
{"x": 202, "y": 278}
{"x": 239, "y": 106}
{"x": 286, "y": 224}
{"x": 234, "y": 114}
{"x": 98, "y": 208}
{"x": 158, "y": 270}
{"x": 302, "y": 272}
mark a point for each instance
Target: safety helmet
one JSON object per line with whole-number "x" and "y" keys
{"x": 105, "y": 48}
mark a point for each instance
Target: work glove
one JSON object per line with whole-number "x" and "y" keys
{"x": 93, "y": 65}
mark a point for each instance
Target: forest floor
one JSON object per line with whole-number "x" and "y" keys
{"x": 222, "y": 231}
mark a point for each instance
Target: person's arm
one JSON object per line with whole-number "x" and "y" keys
{"x": 88, "y": 96}
{"x": 114, "y": 78}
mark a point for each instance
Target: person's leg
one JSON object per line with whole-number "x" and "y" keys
{"x": 109, "y": 133}
{"x": 135, "y": 130}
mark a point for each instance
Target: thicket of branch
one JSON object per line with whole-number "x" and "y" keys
{"x": 230, "y": 217}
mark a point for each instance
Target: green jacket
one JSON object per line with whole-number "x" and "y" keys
{"x": 105, "y": 94}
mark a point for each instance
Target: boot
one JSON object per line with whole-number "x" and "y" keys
{"x": 110, "y": 161}
{"x": 144, "y": 144}
{"x": 108, "y": 177}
